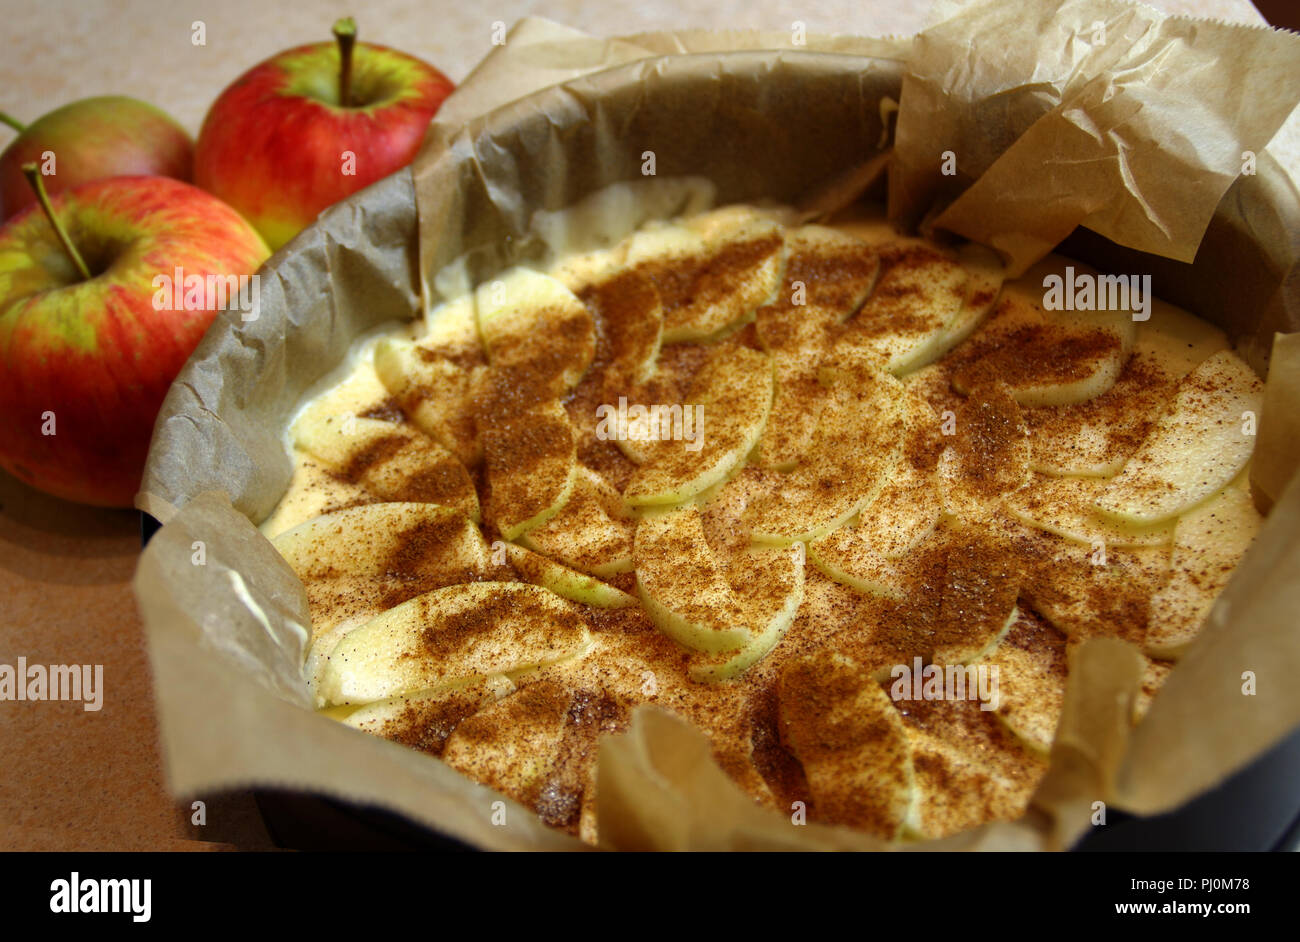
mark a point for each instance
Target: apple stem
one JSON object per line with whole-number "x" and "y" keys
{"x": 33, "y": 175}
{"x": 345, "y": 33}
{"x": 12, "y": 122}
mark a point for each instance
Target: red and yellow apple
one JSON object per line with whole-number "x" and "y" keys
{"x": 109, "y": 136}
{"x": 312, "y": 125}
{"x": 86, "y": 356}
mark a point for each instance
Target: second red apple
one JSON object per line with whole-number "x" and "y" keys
{"x": 313, "y": 125}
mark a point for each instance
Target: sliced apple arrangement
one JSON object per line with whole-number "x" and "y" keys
{"x": 850, "y": 454}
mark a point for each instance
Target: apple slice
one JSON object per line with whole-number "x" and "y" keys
{"x": 591, "y": 533}
{"x": 651, "y": 408}
{"x": 633, "y": 437}
{"x": 797, "y": 339}
{"x": 826, "y": 271}
{"x": 969, "y": 768}
{"x": 531, "y": 462}
{"x": 313, "y": 490}
{"x": 850, "y": 740}
{"x": 1198, "y": 445}
{"x": 1088, "y": 591}
{"x": 848, "y": 558}
{"x": 579, "y": 272}
{"x": 1209, "y": 541}
{"x": 1032, "y": 668}
{"x": 563, "y": 581}
{"x": 358, "y": 562}
{"x": 919, "y": 294}
{"x": 733, "y": 393}
{"x": 988, "y": 456}
{"x": 827, "y": 276}
{"x": 852, "y": 454}
{"x": 530, "y": 320}
{"x": 682, "y": 586}
{"x": 949, "y": 600}
{"x": 631, "y": 319}
{"x": 984, "y": 275}
{"x": 434, "y": 392}
{"x": 632, "y": 418}
{"x": 870, "y": 554}
{"x": 537, "y": 746}
{"x": 908, "y": 507}
{"x": 905, "y": 511}
{"x": 424, "y": 721}
{"x": 933, "y": 383}
{"x": 1095, "y": 438}
{"x": 769, "y": 584}
{"x": 968, "y": 589}
{"x": 452, "y": 635}
{"x": 712, "y": 272}
{"x": 1046, "y": 359}
{"x": 1066, "y": 507}
{"x": 930, "y": 584}
{"x": 390, "y": 460}
{"x": 723, "y": 506}
{"x": 513, "y": 745}
{"x": 797, "y": 404}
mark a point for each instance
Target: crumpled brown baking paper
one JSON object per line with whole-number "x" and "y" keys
{"x": 805, "y": 125}
{"x": 1099, "y": 113}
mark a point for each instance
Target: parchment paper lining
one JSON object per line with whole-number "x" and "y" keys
{"x": 799, "y": 125}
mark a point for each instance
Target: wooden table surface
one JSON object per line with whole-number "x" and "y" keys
{"x": 76, "y": 780}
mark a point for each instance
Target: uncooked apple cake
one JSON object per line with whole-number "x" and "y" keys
{"x": 840, "y": 498}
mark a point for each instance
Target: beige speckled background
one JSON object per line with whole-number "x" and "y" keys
{"x": 80, "y": 780}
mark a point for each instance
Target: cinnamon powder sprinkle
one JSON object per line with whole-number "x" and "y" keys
{"x": 1123, "y": 415}
{"x": 426, "y": 726}
{"x": 898, "y": 302}
{"x": 989, "y": 425}
{"x": 629, "y": 319}
{"x": 443, "y": 483}
{"x": 386, "y": 411}
{"x": 374, "y": 453}
{"x": 832, "y": 278}
{"x": 1033, "y": 355}
{"x": 417, "y": 563}
{"x": 708, "y": 278}
{"x": 455, "y": 632}
{"x": 528, "y": 460}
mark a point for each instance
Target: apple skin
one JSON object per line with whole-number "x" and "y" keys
{"x": 110, "y": 136}
{"x": 97, "y": 354}
{"x": 272, "y": 144}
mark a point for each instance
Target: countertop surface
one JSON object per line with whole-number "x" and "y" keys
{"x": 78, "y": 780}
